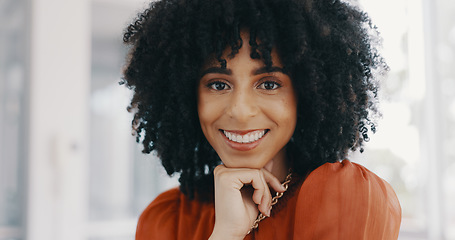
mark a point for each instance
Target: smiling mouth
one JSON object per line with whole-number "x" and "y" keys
{"x": 249, "y": 137}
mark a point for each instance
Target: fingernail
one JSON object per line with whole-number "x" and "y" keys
{"x": 268, "y": 212}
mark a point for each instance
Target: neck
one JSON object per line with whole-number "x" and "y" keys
{"x": 279, "y": 165}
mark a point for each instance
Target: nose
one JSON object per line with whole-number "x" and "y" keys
{"x": 242, "y": 105}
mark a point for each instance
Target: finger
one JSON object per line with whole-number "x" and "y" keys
{"x": 258, "y": 196}
{"x": 218, "y": 168}
{"x": 266, "y": 202}
{"x": 261, "y": 195}
{"x": 272, "y": 181}
{"x": 259, "y": 185}
{"x": 239, "y": 177}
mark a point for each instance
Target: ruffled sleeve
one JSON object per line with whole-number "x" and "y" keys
{"x": 345, "y": 200}
{"x": 172, "y": 215}
{"x": 159, "y": 220}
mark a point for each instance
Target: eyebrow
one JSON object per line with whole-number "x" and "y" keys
{"x": 229, "y": 72}
{"x": 217, "y": 70}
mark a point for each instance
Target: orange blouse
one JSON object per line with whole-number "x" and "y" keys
{"x": 342, "y": 200}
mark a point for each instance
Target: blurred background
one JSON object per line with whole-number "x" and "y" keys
{"x": 70, "y": 169}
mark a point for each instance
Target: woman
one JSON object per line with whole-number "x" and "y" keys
{"x": 249, "y": 99}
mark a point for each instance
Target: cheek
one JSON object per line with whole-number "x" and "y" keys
{"x": 207, "y": 112}
{"x": 202, "y": 112}
{"x": 288, "y": 118}
{"x": 283, "y": 110}
{"x": 290, "y": 110}
{"x": 290, "y": 101}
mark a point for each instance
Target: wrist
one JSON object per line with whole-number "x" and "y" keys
{"x": 221, "y": 237}
{"x": 218, "y": 235}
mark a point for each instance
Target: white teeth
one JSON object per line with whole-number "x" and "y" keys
{"x": 247, "y": 138}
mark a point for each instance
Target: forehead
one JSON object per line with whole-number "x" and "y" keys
{"x": 212, "y": 61}
{"x": 227, "y": 56}
{"x": 233, "y": 50}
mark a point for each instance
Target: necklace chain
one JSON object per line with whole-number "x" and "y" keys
{"x": 278, "y": 195}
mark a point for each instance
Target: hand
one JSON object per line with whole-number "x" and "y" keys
{"x": 237, "y": 205}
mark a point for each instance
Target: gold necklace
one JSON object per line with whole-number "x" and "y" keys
{"x": 278, "y": 195}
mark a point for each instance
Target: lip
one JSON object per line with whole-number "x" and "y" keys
{"x": 242, "y": 132}
{"x": 242, "y": 146}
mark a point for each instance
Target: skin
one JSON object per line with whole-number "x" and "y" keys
{"x": 241, "y": 99}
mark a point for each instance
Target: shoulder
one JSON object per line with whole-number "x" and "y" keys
{"x": 349, "y": 179}
{"x": 159, "y": 215}
{"x": 341, "y": 195}
{"x": 172, "y": 215}
{"x": 344, "y": 171}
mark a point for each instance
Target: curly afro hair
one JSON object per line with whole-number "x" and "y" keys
{"x": 325, "y": 46}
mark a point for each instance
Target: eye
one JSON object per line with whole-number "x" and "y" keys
{"x": 218, "y": 86}
{"x": 269, "y": 85}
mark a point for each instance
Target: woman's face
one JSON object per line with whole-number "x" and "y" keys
{"x": 247, "y": 113}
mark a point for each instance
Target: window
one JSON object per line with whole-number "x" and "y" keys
{"x": 412, "y": 147}
{"x": 13, "y": 117}
{"x": 123, "y": 181}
